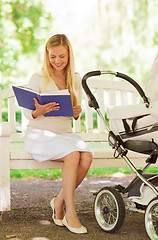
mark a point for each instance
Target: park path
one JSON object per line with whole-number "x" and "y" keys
{"x": 30, "y": 217}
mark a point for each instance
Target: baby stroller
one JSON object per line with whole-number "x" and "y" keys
{"x": 128, "y": 130}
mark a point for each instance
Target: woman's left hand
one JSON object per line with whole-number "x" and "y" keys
{"x": 76, "y": 111}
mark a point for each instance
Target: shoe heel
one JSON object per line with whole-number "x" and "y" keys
{"x": 58, "y": 222}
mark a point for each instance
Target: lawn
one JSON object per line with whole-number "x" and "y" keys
{"x": 56, "y": 173}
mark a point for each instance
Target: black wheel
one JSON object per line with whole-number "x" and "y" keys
{"x": 151, "y": 219}
{"x": 109, "y": 209}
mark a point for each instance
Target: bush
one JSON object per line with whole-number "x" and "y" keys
{"x": 5, "y": 116}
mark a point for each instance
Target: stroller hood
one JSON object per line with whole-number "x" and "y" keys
{"x": 151, "y": 88}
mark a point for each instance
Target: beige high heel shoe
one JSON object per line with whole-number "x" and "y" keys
{"x": 58, "y": 222}
{"x": 80, "y": 230}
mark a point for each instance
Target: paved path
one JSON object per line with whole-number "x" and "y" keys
{"x": 30, "y": 217}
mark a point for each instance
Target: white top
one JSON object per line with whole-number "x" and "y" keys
{"x": 38, "y": 83}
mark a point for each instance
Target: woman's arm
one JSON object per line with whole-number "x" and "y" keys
{"x": 76, "y": 111}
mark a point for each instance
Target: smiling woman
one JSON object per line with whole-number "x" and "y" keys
{"x": 51, "y": 138}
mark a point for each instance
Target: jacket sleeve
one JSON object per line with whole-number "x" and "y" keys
{"x": 34, "y": 85}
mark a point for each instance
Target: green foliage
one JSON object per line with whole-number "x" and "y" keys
{"x": 155, "y": 38}
{"x": 83, "y": 121}
{"x": 31, "y": 22}
{"x": 18, "y": 116}
{"x": 5, "y": 116}
{"x": 23, "y": 26}
{"x": 124, "y": 37}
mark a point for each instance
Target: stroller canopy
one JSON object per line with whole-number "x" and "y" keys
{"x": 151, "y": 88}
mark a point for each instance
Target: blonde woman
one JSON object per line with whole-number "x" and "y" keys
{"x": 51, "y": 138}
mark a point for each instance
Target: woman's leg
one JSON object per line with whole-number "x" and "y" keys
{"x": 85, "y": 159}
{"x": 84, "y": 165}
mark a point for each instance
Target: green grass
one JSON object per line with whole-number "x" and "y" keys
{"x": 56, "y": 173}
{"x": 39, "y": 173}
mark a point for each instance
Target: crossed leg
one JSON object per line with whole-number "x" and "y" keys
{"x": 75, "y": 168}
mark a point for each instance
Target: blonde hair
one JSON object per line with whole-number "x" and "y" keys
{"x": 57, "y": 40}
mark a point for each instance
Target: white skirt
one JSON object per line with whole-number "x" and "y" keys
{"x": 45, "y": 145}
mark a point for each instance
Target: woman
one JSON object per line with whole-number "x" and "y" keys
{"x": 51, "y": 138}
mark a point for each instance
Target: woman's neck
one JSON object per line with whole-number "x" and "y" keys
{"x": 60, "y": 79}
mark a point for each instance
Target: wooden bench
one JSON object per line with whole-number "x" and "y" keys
{"x": 14, "y": 156}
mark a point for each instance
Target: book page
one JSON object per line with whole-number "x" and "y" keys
{"x": 59, "y": 92}
{"x": 26, "y": 88}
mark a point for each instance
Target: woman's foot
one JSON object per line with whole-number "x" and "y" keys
{"x": 58, "y": 212}
{"x": 79, "y": 230}
{"x": 73, "y": 220}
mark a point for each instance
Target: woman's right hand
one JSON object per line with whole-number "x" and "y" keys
{"x": 42, "y": 109}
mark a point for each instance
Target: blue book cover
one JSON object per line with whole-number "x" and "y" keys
{"x": 25, "y": 98}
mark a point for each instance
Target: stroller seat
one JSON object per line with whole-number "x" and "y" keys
{"x": 135, "y": 122}
{"x": 145, "y": 147}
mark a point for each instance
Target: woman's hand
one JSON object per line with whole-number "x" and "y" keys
{"x": 76, "y": 111}
{"x": 42, "y": 109}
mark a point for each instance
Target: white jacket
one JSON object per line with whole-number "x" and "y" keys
{"x": 53, "y": 124}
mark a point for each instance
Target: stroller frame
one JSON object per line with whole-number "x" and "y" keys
{"x": 121, "y": 150}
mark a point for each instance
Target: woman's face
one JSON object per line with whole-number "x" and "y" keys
{"x": 58, "y": 57}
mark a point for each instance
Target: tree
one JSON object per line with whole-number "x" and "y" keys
{"x": 122, "y": 36}
{"x": 23, "y": 27}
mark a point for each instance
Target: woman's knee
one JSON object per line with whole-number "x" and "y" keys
{"x": 72, "y": 158}
{"x": 86, "y": 160}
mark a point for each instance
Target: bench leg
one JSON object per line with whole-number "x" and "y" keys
{"x": 4, "y": 175}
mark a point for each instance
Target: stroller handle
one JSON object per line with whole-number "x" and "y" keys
{"x": 136, "y": 85}
{"x": 92, "y": 100}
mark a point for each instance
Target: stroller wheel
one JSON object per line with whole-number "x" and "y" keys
{"x": 151, "y": 219}
{"x": 109, "y": 209}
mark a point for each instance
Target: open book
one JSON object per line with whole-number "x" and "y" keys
{"x": 25, "y": 98}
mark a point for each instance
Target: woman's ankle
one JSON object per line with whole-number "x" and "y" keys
{"x": 59, "y": 208}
